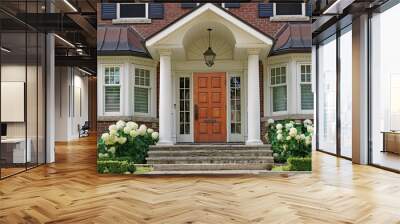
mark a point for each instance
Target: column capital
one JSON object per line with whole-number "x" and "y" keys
{"x": 165, "y": 51}
{"x": 253, "y": 51}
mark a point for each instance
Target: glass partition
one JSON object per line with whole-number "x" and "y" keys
{"x": 327, "y": 95}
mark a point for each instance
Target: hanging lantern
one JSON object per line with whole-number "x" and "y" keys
{"x": 209, "y": 55}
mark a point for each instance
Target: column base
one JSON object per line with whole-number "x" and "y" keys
{"x": 254, "y": 142}
{"x": 165, "y": 142}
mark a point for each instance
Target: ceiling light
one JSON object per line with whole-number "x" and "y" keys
{"x": 70, "y": 5}
{"x": 65, "y": 41}
{"x": 5, "y": 50}
{"x": 209, "y": 55}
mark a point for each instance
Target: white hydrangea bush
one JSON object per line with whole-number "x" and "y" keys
{"x": 290, "y": 138}
{"x": 126, "y": 141}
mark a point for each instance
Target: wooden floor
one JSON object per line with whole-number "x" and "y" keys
{"x": 70, "y": 191}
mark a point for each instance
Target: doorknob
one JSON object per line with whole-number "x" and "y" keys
{"x": 196, "y": 112}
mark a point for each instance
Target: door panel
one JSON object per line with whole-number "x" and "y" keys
{"x": 210, "y": 107}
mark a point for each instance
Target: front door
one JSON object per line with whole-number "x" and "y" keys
{"x": 210, "y": 107}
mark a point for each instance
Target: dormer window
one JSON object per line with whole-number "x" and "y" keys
{"x": 132, "y": 13}
{"x": 289, "y": 12}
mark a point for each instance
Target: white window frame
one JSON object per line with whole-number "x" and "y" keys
{"x": 119, "y": 113}
{"x": 184, "y": 137}
{"x": 270, "y": 86}
{"x": 132, "y": 3}
{"x": 234, "y": 137}
{"x": 298, "y": 17}
{"x": 299, "y": 83}
{"x": 152, "y": 90}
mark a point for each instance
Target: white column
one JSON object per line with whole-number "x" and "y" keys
{"x": 253, "y": 98}
{"x": 50, "y": 79}
{"x": 165, "y": 99}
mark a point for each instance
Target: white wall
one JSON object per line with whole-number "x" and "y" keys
{"x": 69, "y": 82}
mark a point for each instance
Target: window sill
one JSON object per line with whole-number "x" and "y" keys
{"x": 130, "y": 20}
{"x": 289, "y": 116}
{"x": 289, "y": 18}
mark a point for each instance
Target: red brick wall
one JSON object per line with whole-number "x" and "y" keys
{"x": 172, "y": 11}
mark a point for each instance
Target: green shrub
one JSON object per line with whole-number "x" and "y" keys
{"x": 289, "y": 139}
{"x": 112, "y": 166}
{"x": 299, "y": 164}
{"x": 126, "y": 141}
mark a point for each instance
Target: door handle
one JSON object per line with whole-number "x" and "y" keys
{"x": 196, "y": 112}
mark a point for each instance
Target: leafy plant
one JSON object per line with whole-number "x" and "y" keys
{"x": 289, "y": 139}
{"x": 299, "y": 163}
{"x": 126, "y": 141}
{"x": 116, "y": 167}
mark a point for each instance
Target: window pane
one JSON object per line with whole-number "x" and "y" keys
{"x": 235, "y": 105}
{"x": 132, "y": 11}
{"x": 141, "y": 100}
{"x": 184, "y": 107}
{"x": 289, "y": 9}
{"x": 112, "y": 98}
{"x": 307, "y": 97}
{"x": 327, "y": 96}
{"x": 279, "y": 95}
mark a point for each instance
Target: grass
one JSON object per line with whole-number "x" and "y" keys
{"x": 143, "y": 169}
{"x": 280, "y": 168}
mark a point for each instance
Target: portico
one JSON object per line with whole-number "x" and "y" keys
{"x": 239, "y": 47}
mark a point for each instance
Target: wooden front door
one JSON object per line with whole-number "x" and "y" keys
{"x": 210, "y": 107}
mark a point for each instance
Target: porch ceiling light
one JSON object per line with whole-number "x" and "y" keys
{"x": 209, "y": 54}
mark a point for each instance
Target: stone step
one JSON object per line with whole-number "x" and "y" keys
{"x": 208, "y": 147}
{"x": 209, "y": 159}
{"x": 210, "y": 152}
{"x": 212, "y": 167}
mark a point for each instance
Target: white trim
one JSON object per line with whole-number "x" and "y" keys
{"x": 269, "y": 87}
{"x": 298, "y": 84}
{"x": 208, "y": 7}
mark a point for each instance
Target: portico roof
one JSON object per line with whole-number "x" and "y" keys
{"x": 244, "y": 34}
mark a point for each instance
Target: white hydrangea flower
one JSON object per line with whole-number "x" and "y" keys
{"x": 133, "y": 133}
{"x": 310, "y": 129}
{"x": 132, "y": 125}
{"x": 288, "y": 138}
{"x": 293, "y": 132}
{"x": 111, "y": 150}
{"x": 298, "y": 137}
{"x": 154, "y": 135}
{"x": 120, "y": 124}
{"x": 122, "y": 140}
{"x": 279, "y": 126}
{"x": 279, "y": 131}
{"x": 127, "y": 130}
{"x": 113, "y": 133}
{"x": 288, "y": 126}
{"x": 302, "y": 137}
{"x": 143, "y": 127}
{"x": 113, "y": 127}
{"x": 149, "y": 130}
{"x": 141, "y": 131}
{"x": 308, "y": 140}
{"x": 105, "y": 137}
{"x": 279, "y": 137}
{"x": 271, "y": 121}
{"x": 307, "y": 122}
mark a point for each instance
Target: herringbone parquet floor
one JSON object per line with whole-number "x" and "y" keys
{"x": 70, "y": 191}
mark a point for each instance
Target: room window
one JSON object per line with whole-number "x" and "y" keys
{"x": 306, "y": 94}
{"x": 289, "y": 9}
{"x": 235, "y": 105}
{"x": 184, "y": 105}
{"x": 279, "y": 89}
{"x": 112, "y": 88}
{"x": 133, "y": 10}
{"x": 142, "y": 91}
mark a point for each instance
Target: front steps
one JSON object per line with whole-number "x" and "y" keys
{"x": 210, "y": 157}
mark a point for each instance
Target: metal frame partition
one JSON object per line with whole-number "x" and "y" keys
{"x": 40, "y": 37}
{"x": 334, "y": 30}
